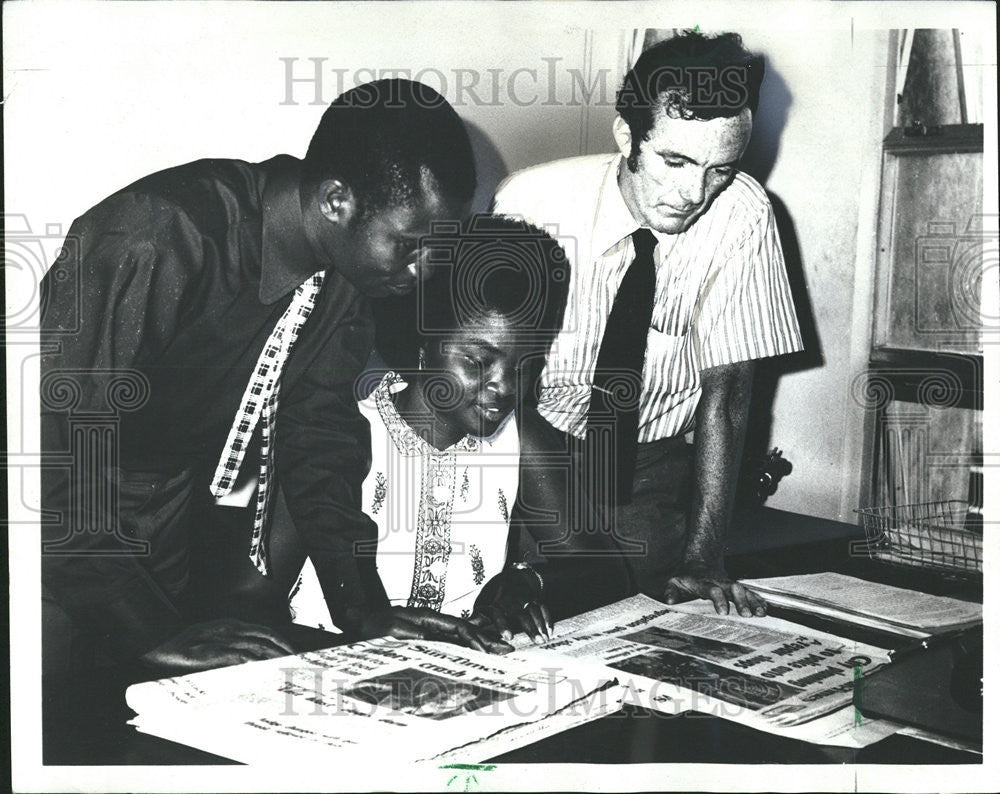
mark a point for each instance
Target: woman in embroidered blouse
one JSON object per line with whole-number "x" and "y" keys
{"x": 444, "y": 471}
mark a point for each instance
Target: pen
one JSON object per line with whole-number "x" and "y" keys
{"x": 933, "y": 641}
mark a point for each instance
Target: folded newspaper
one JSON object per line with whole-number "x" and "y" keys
{"x": 880, "y": 606}
{"x": 765, "y": 673}
{"x": 438, "y": 702}
{"x": 429, "y": 701}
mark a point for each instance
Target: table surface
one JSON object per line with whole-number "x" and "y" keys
{"x": 89, "y": 726}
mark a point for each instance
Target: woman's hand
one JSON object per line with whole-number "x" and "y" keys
{"x": 420, "y": 623}
{"x": 512, "y": 602}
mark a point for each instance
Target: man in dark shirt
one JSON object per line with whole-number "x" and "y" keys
{"x": 182, "y": 277}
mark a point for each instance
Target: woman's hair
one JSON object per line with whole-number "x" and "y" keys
{"x": 496, "y": 265}
{"x": 490, "y": 265}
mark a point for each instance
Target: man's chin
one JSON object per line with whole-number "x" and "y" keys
{"x": 673, "y": 224}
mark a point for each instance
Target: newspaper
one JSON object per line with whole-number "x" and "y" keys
{"x": 762, "y": 672}
{"x": 428, "y": 701}
{"x": 881, "y": 606}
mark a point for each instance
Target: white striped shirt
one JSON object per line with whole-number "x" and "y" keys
{"x": 722, "y": 293}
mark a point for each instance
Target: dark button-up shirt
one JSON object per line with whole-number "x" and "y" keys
{"x": 181, "y": 278}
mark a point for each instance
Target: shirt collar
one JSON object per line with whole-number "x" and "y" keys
{"x": 403, "y": 436}
{"x": 613, "y": 221}
{"x": 286, "y": 257}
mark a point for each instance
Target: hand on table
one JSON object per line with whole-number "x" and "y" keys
{"x": 216, "y": 643}
{"x": 511, "y": 602}
{"x": 419, "y": 623}
{"x": 715, "y": 585}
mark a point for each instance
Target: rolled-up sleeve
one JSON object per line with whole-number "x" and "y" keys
{"x": 748, "y": 311}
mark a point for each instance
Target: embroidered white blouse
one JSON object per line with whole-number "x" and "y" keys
{"x": 442, "y": 515}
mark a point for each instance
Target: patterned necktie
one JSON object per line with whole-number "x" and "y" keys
{"x": 617, "y": 391}
{"x": 260, "y": 402}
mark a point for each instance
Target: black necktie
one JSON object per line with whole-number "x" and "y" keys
{"x": 613, "y": 415}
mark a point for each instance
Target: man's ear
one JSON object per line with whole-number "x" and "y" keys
{"x": 622, "y": 135}
{"x": 337, "y": 202}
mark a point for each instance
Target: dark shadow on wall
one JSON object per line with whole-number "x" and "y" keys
{"x": 758, "y": 162}
{"x": 771, "y": 370}
{"x": 490, "y": 167}
{"x": 768, "y": 124}
{"x": 396, "y": 316}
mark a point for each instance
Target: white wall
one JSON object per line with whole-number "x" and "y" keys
{"x": 99, "y": 95}
{"x": 825, "y": 173}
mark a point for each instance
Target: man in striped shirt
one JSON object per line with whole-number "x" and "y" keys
{"x": 721, "y": 301}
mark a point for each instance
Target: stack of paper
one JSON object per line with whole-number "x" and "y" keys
{"x": 879, "y": 606}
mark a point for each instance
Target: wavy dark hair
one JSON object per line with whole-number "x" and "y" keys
{"x": 692, "y": 76}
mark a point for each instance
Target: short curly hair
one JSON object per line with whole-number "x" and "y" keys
{"x": 496, "y": 265}
{"x": 490, "y": 264}
{"x": 382, "y": 138}
{"x": 692, "y": 76}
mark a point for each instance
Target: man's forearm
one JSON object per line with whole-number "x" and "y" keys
{"x": 718, "y": 450}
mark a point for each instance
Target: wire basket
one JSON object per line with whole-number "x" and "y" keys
{"x": 932, "y": 535}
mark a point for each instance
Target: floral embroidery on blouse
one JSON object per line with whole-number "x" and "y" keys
{"x": 502, "y": 502}
{"x": 476, "y": 559}
{"x": 379, "y": 498}
{"x": 405, "y": 439}
{"x": 464, "y": 490}
{"x": 437, "y": 494}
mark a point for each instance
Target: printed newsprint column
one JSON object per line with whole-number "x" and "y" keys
{"x": 766, "y": 673}
{"x": 870, "y": 603}
{"x": 427, "y": 700}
